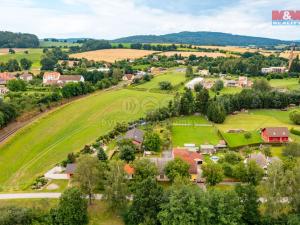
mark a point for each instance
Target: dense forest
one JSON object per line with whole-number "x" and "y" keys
{"x": 18, "y": 40}
{"x": 203, "y": 38}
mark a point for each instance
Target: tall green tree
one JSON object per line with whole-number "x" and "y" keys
{"x": 213, "y": 173}
{"x": 152, "y": 142}
{"x": 147, "y": 198}
{"x": 187, "y": 102}
{"x": 127, "y": 152}
{"x": 16, "y": 85}
{"x": 72, "y": 208}
{"x": 144, "y": 169}
{"x": 25, "y": 63}
{"x": 116, "y": 187}
{"x": 177, "y": 168}
{"x": 201, "y": 101}
{"x": 248, "y": 197}
{"x": 101, "y": 154}
{"x": 251, "y": 172}
{"x": 189, "y": 71}
{"x": 89, "y": 175}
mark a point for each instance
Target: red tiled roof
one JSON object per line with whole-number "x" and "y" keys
{"x": 276, "y": 131}
{"x": 128, "y": 169}
{"x": 6, "y": 76}
{"x": 55, "y": 75}
{"x": 189, "y": 157}
{"x": 70, "y": 77}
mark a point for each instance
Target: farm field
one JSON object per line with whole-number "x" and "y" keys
{"x": 47, "y": 141}
{"x": 99, "y": 214}
{"x": 193, "y": 130}
{"x": 112, "y": 55}
{"x": 252, "y": 122}
{"x": 34, "y": 54}
{"x": 172, "y": 76}
{"x": 186, "y": 54}
{"x": 291, "y": 83}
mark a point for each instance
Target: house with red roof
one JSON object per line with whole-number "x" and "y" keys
{"x": 50, "y": 78}
{"x": 5, "y": 77}
{"x": 192, "y": 158}
{"x": 275, "y": 134}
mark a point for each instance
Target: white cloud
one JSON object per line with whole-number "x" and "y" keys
{"x": 116, "y": 18}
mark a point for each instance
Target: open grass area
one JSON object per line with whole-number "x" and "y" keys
{"x": 46, "y": 44}
{"x": 254, "y": 121}
{"x": 99, "y": 214}
{"x": 39, "y": 146}
{"x": 34, "y": 54}
{"x": 171, "y": 76}
{"x": 290, "y": 83}
{"x": 238, "y": 139}
{"x": 193, "y": 130}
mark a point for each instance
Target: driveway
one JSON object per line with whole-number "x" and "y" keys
{"x": 36, "y": 195}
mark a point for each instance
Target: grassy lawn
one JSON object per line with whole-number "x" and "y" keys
{"x": 174, "y": 77}
{"x": 98, "y": 212}
{"x": 290, "y": 83}
{"x": 39, "y": 146}
{"x": 34, "y": 54}
{"x": 238, "y": 139}
{"x": 193, "y": 133}
{"x": 257, "y": 119}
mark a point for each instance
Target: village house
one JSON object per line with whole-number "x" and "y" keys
{"x": 5, "y": 77}
{"x": 191, "y": 84}
{"x": 273, "y": 70}
{"x": 136, "y": 135}
{"x": 275, "y": 134}
{"x": 128, "y": 77}
{"x": 192, "y": 158}
{"x": 259, "y": 158}
{"x": 160, "y": 164}
{"x": 70, "y": 169}
{"x": 244, "y": 82}
{"x": 204, "y": 73}
{"x": 26, "y": 77}
{"x": 50, "y": 78}
{"x": 231, "y": 83}
{"x": 3, "y": 90}
{"x": 207, "y": 149}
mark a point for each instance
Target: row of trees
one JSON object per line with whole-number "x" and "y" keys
{"x": 216, "y": 109}
{"x": 51, "y": 56}
{"x": 13, "y": 65}
{"x": 154, "y": 47}
{"x": 7, "y": 113}
{"x": 18, "y": 40}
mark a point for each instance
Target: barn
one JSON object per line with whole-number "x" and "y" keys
{"x": 275, "y": 134}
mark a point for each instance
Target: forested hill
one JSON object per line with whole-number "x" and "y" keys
{"x": 203, "y": 38}
{"x": 18, "y": 40}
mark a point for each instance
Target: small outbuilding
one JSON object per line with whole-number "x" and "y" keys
{"x": 207, "y": 149}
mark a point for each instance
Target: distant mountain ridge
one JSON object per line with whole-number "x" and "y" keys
{"x": 203, "y": 38}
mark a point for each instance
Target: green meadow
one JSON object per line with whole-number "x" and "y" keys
{"x": 34, "y": 54}
{"x": 41, "y": 145}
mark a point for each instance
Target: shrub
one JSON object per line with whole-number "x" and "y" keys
{"x": 295, "y": 117}
{"x": 247, "y": 135}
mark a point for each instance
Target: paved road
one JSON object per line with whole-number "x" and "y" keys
{"x": 36, "y": 195}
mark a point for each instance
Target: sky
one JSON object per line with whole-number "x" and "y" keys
{"x": 110, "y": 19}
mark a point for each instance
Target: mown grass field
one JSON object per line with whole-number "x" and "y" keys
{"x": 34, "y": 54}
{"x": 36, "y": 148}
{"x": 193, "y": 130}
{"x": 236, "y": 140}
{"x": 175, "y": 78}
{"x": 253, "y": 122}
{"x": 291, "y": 83}
{"x": 99, "y": 214}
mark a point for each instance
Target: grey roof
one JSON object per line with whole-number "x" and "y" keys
{"x": 160, "y": 163}
{"x": 135, "y": 134}
{"x": 70, "y": 169}
{"x": 259, "y": 158}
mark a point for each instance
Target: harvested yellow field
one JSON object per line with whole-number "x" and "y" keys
{"x": 286, "y": 54}
{"x": 199, "y": 54}
{"x": 112, "y": 55}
